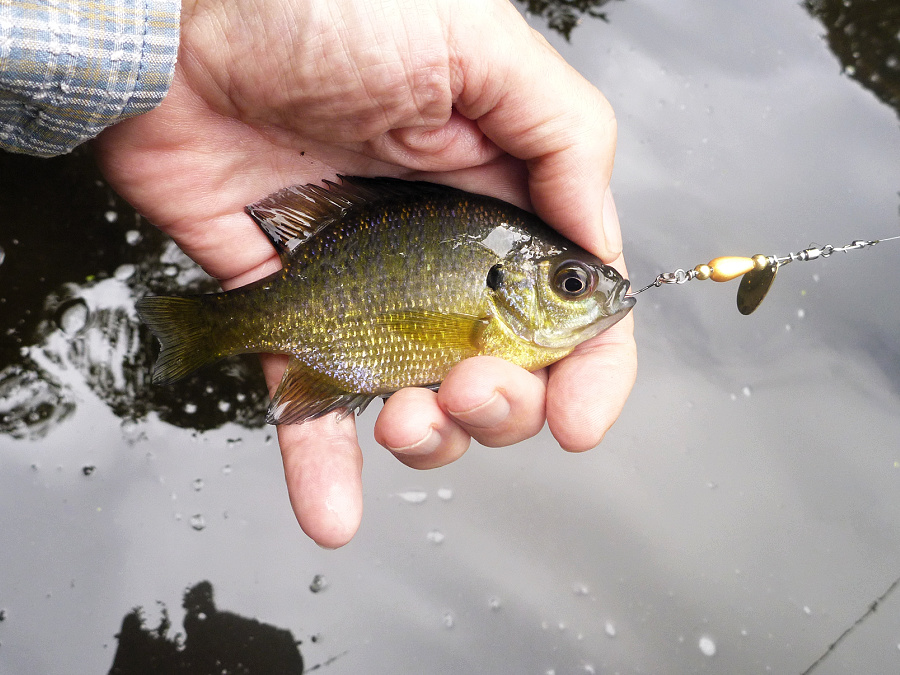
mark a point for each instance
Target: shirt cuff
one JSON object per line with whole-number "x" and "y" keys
{"x": 71, "y": 68}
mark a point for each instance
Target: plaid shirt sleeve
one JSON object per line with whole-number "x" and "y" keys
{"x": 71, "y": 68}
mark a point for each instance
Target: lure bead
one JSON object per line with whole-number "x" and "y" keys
{"x": 727, "y": 268}
{"x": 703, "y": 272}
{"x": 760, "y": 262}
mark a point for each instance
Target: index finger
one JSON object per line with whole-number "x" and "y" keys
{"x": 536, "y": 107}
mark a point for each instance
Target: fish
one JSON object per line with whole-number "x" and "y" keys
{"x": 387, "y": 283}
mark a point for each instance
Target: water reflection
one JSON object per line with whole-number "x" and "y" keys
{"x": 865, "y": 36}
{"x": 214, "y": 642}
{"x": 564, "y": 15}
{"x": 68, "y": 327}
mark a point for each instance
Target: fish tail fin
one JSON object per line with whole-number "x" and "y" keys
{"x": 185, "y": 334}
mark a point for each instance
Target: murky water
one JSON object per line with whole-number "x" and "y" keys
{"x": 741, "y": 516}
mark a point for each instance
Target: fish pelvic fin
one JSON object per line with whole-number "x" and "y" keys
{"x": 186, "y": 337}
{"x": 305, "y": 394}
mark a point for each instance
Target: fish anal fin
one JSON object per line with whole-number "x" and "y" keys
{"x": 305, "y": 394}
{"x": 451, "y": 331}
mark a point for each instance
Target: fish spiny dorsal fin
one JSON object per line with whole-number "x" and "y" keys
{"x": 291, "y": 216}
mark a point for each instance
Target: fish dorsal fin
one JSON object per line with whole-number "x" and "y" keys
{"x": 291, "y": 216}
{"x": 305, "y": 394}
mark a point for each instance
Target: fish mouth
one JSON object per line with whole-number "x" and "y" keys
{"x": 618, "y": 306}
{"x": 620, "y": 300}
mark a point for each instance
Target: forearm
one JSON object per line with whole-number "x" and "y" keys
{"x": 71, "y": 68}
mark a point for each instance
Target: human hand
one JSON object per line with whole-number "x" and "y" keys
{"x": 269, "y": 93}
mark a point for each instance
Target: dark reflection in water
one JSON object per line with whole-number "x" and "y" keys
{"x": 215, "y": 642}
{"x": 74, "y": 258}
{"x": 563, "y": 15}
{"x": 865, "y": 36}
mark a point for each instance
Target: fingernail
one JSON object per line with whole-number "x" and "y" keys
{"x": 611, "y": 230}
{"x": 430, "y": 442}
{"x": 488, "y": 414}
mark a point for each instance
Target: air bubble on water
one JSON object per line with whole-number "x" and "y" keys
{"x": 733, "y": 396}
{"x": 2, "y": 255}
{"x": 226, "y": 469}
{"x": 815, "y": 277}
{"x": 224, "y": 406}
{"x": 588, "y": 668}
{"x": 561, "y": 626}
{"x": 610, "y": 629}
{"x": 494, "y": 603}
{"x": 132, "y": 237}
{"x": 124, "y": 272}
{"x": 72, "y": 317}
{"x": 413, "y": 496}
{"x": 170, "y": 270}
{"x": 318, "y": 584}
{"x": 198, "y": 522}
{"x": 435, "y": 536}
{"x": 448, "y": 620}
{"x": 111, "y": 216}
{"x": 807, "y": 610}
{"x": 197, "y": 484}
{"x": 190, "y": 408}
{"x": 2, "y": 615}
{"x": 88, "y": 469}
{"x": 707, "y": 646}
{"x": 580, "y": 589}
{"x": 746, "y": 391}
{"x": 801, "y": 313}
{"x": 445, "y": 493}
{"x": 788, "y": 328}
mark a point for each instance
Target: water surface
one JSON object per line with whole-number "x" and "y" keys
{"x": 741, "y": 516}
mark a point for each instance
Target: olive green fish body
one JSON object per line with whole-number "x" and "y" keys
{"x": 387, "y": 284}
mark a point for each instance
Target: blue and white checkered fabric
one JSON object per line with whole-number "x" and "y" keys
{"x": 70, "y": 68}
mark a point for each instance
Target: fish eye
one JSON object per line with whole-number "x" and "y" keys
{"x": 494, "y": 276}
{"x": 573, "y": 280}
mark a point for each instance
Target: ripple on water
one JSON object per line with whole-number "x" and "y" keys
{"x": 72, "y": 316}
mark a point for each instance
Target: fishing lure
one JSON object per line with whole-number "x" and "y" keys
{"x": 757, "y": 272}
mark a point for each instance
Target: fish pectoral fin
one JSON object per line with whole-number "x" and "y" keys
{"x": 453, "y": 331}
{"x": 305, "y": 395}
